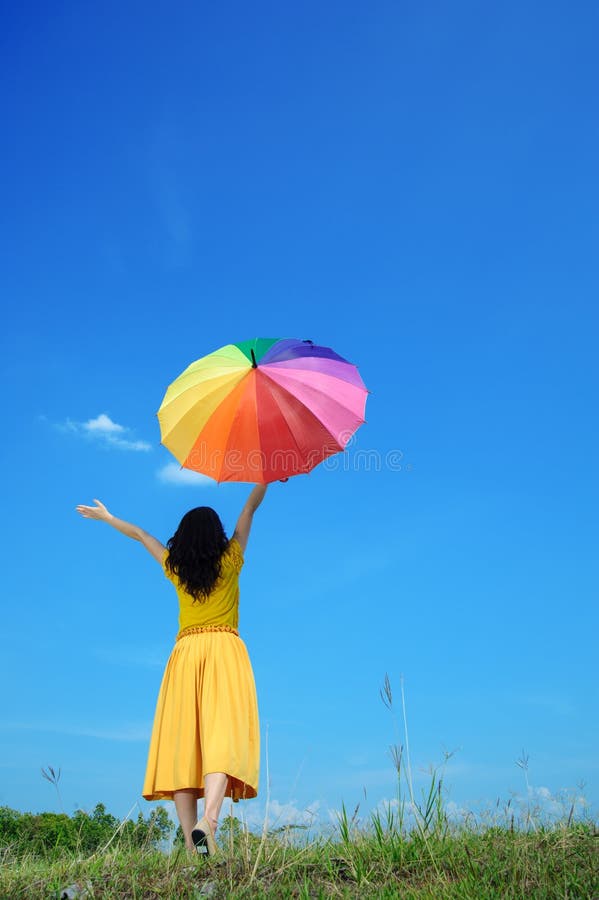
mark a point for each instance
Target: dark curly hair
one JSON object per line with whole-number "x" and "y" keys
{"x": 195, "y": 551}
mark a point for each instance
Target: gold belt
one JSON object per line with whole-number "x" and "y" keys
{"x": 200, "y": 629}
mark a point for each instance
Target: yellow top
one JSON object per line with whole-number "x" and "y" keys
{"x": 222, "y": 605}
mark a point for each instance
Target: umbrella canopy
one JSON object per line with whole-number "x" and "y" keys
{"x": 262, "y": 410}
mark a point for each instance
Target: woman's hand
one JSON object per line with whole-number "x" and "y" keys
{"x": 95, "y": 512}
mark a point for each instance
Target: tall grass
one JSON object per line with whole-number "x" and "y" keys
{"x": 560, "y": 862}
{"x": 410, "y": 848}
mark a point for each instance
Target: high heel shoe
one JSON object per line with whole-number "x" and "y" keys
{"x": 203, "y": 837}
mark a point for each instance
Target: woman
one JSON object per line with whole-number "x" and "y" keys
{"x": 205, "y": 740}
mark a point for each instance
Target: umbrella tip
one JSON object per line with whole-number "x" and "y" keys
{"x": 254, "y": 363}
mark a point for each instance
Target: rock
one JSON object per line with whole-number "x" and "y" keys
{"x": 76, "y": 891}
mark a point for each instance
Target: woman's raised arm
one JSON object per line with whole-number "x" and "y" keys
{"x": 100, "y": 512}
{"x": 244, "y": 522}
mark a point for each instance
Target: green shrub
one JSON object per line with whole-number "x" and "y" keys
{"x": 48, "y": 834}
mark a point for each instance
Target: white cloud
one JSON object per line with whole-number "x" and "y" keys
{"x": 289, "y": 814}
{"x": 103, "y": 424}
{"x": 130, "y": 445}
{"x": 103, "y": 430}
{"x": 538, "y": 806}
{"x": 172, "y": 473}
{"x": 455, "y": 812}
{"x": 68, "y": 425}
{"x": 544, "y": 802}
{"x": 278, "y": 815}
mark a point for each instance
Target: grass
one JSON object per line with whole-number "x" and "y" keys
{"x": 375, "y": 862}
{"x": 412, "y": 848}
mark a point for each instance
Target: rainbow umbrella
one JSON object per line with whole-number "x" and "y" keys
{"x": 262, "y": 410}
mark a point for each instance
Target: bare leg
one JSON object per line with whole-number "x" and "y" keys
{"x": 215, "y": 784}
{"x": 186, "y": 804}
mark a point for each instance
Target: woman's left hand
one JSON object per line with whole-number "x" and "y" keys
{"x": 94, "y": 512}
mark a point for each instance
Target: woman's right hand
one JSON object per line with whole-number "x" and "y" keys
{"x": 94, "y": 512}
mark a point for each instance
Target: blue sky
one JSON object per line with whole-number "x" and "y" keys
{"x": 413, "y": 185}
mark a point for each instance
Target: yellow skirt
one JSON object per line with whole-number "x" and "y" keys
{"x": 206, "y": 719}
